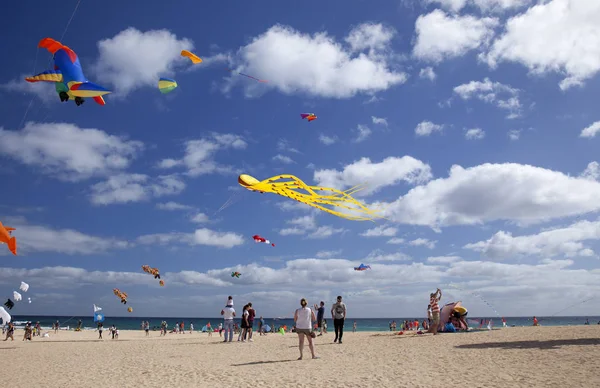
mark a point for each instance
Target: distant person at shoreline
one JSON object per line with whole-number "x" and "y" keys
{"x": 535, "y": 321}
{"x": 434, "y": 299}
{"x": 251, "y": 315}
{"x": 56, "y": 327}
{"x": 100, "y": 327}
{"x": 320, "y": 316}
{"x": 338, "y": 313}
{"x": 354, "y": 327}
{"x": 303, "y": 319}
{"x": 228, "y": 314}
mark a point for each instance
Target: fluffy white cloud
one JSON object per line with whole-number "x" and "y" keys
{"x": 379, "y": 120}
{"x": 514, "y": 134}
{"x": 591, "y": 131}
{"x": 199, "y": 154}
{"x": 483, "y": 5}
{"x": 125, "y": 188}
{"x": 426, "y": 128}
{"x": 571, "y": 26}
{"x": 396, "y": 240}
{"x": 38, "y": 238}
{"x": 488, "y": 192}
{"x": 328, "y": 254}
{"x": 428, "y": 73}
{"x": 591, "y": 172}
{"x": 326, "y": 231}
{"x": 443, "y": 259}
{"x": 67, "y": 151}
{"x": 307, "y": 225}
{"x": 491, "y": 92}
{"x": 172, "y": 206}
{"x": 200, "y": 218}
{"x": 363, "y": 133}
{"x": 202, "y": 236}
{"x": 284, "y": 145}
{"x": 566, "y": 241}
{"x": 283, "y": 159}
{"x": 441, "y": 36}
{"x": 42, "y": 90}
{"x": 327, "y": 140}
{"x": 380, "y": 231}
{"x": 388, "y": 172}
{"x": 288, "y": 57}
{"x": 378, "y": 256}
{"x": 474, "y": 134}
{"x": 422, "y": 242}
{"x": 133, "y": 59}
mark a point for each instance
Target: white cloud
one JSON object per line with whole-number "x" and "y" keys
{"x": 591, "y": 131}
{"x": 443, "y": 259}
{"x": 422, "y": 242}
{"x": 388, "y": 172}
{"x": 441, "y": 36}
{"x": 514, "y": 134}
{"x": 200, "y": 218}
{"x": 474, "y": 134}
{"x": 133, "y": 59}
{"x": 67, "y": 151}
{"x": 327, "y": 140}
{"x": 308, "y": 225}
{"x": 566, "y": 241}
{"x": 483, "y": 5}
{"x": 125, "y": 188}
{"x": 380, "y": 231}
{"x": 172, "y": 206}
{"x": 328, "y": 254}
{"x": 326, "y": 231}
{"x": 591, "y": 172}
{"x": 491, "y": 92}
{"x": 571, "y": 26}
{"x": 427, "y": 73}
{"x": 489, "y": 192}
{"x": 202, "y": 236}
{"x": 284, "y": 145}
{"x": 363, "y": 133}
{"x": 37, "y": 238}
{"x": 283, "y": 159}
{"x": 379, "y": 120}
{"x": 199, "y": 154}
{"x": 378, "y": 256}
{"x": 426, "y": 128}
{"x": 43, "y": 90}
{"x": 286, "y": 57}
{"x": 396, "y": 240}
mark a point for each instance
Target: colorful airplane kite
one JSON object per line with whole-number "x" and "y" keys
{"x": 68, "y": 76}
{"x": 308, "y": 116}
{"x": 362, "y": 267}
{"x": 259, "y": 239}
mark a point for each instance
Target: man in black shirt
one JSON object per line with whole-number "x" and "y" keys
{"x": 320, "y": 314}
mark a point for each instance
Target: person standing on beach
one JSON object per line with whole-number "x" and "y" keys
{"x": 10, "y": 332}
{"x": 100, "y": 328}
{"x": 354, "y": 327}
{"x": 147, "y": 328}
{"x": 251, "y": 315}
{"x": 338, "y": 314}
{"x": 228, "y": 314}
{"x": 320, "y": 316}
{"x": 56, "y": 327}
{"x": 434, "y": 299}
{"x": 303, "y": 318}
{"x": 244, "y": 325}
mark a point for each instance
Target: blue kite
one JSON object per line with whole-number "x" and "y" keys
{"x": 68, "y": 76}
{"x": 362, "y": 267}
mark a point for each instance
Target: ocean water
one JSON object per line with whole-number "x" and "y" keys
{"x": 362, "y": 324}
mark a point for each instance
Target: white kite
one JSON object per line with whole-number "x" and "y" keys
{"x": 29, "y": 300}
{"x": 5, "y": 316}
{"x": 24, "y": 287}
{"x": 16, "y": 296}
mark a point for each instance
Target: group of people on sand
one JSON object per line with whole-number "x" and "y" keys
{"x": 30, "y": 331}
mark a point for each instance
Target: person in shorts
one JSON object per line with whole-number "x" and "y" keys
{"x": 303, "y": 319}
{"x": 320, "y": 316}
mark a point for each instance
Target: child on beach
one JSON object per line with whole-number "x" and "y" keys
{"x": 220, "y": 328}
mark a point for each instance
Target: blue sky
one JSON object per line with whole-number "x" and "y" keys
{"x": 473, "y": 122}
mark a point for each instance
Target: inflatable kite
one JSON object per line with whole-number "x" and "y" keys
{"x": 9, "y": 304}
{"x": 122, "y": 295}
{"x": 235, "y": 274}
{"x": 130, "y": 309}
{"x": 308, "y": 116}
{"x": 151, "y": 271}
{"x": 362, "y": 267}
{"x": 5, "y": 316}
{"x": 162, "y": 283}
{"x": 259, "y": 239}
{"x": 6, "y": 238}
{"x": 193, "y": 57}
{"x": 16, "y": 296}
{"x": 29, "y": 300}
{"x": 166, "y": 85}
{"x": 288, "y": 188}
{"x": 24, "y": 287}
{"x": 249, "y": 76}
{"x": 68, "y": 76}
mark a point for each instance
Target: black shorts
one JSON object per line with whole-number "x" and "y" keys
{"x": 320, "y": 323}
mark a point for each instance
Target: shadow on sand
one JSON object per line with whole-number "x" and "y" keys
{"x": 550, "y": 344}
{"x": 262, "y": 362}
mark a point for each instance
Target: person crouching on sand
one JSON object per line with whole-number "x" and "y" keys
{"x": 303, "y": 318}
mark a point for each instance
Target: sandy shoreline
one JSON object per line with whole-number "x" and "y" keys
{"x": 511, "y": 357}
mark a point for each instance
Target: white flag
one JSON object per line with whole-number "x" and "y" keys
{"x": 96, "y": 308}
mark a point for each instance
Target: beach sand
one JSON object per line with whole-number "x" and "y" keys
{"x": 507, "y": 358}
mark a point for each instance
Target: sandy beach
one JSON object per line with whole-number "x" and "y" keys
{"x": 511, "y": 357}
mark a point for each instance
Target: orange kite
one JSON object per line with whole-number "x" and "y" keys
{"x": 6, "y": 238}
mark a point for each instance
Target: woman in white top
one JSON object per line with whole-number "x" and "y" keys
{"x": 304, "y": 317}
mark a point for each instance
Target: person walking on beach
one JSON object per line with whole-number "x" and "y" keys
{"x": 338, "y": 314}
{"x": 303, "y": 318}
{"x": 56, "y": 327}
{"x": 261, "y": 325}
{"x": 228, "y": 314}
{"x": 192, "y": 327}
{"x": 434, "y": 299}
{"x": 10, "y": 332}
{"x": 100, "y": 328}
{"x": 244, "y": 325}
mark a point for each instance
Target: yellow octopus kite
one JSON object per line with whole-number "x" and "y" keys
{"x": 288, "y": 188}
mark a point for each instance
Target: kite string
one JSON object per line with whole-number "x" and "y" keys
{"x": 49, "y": 61}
